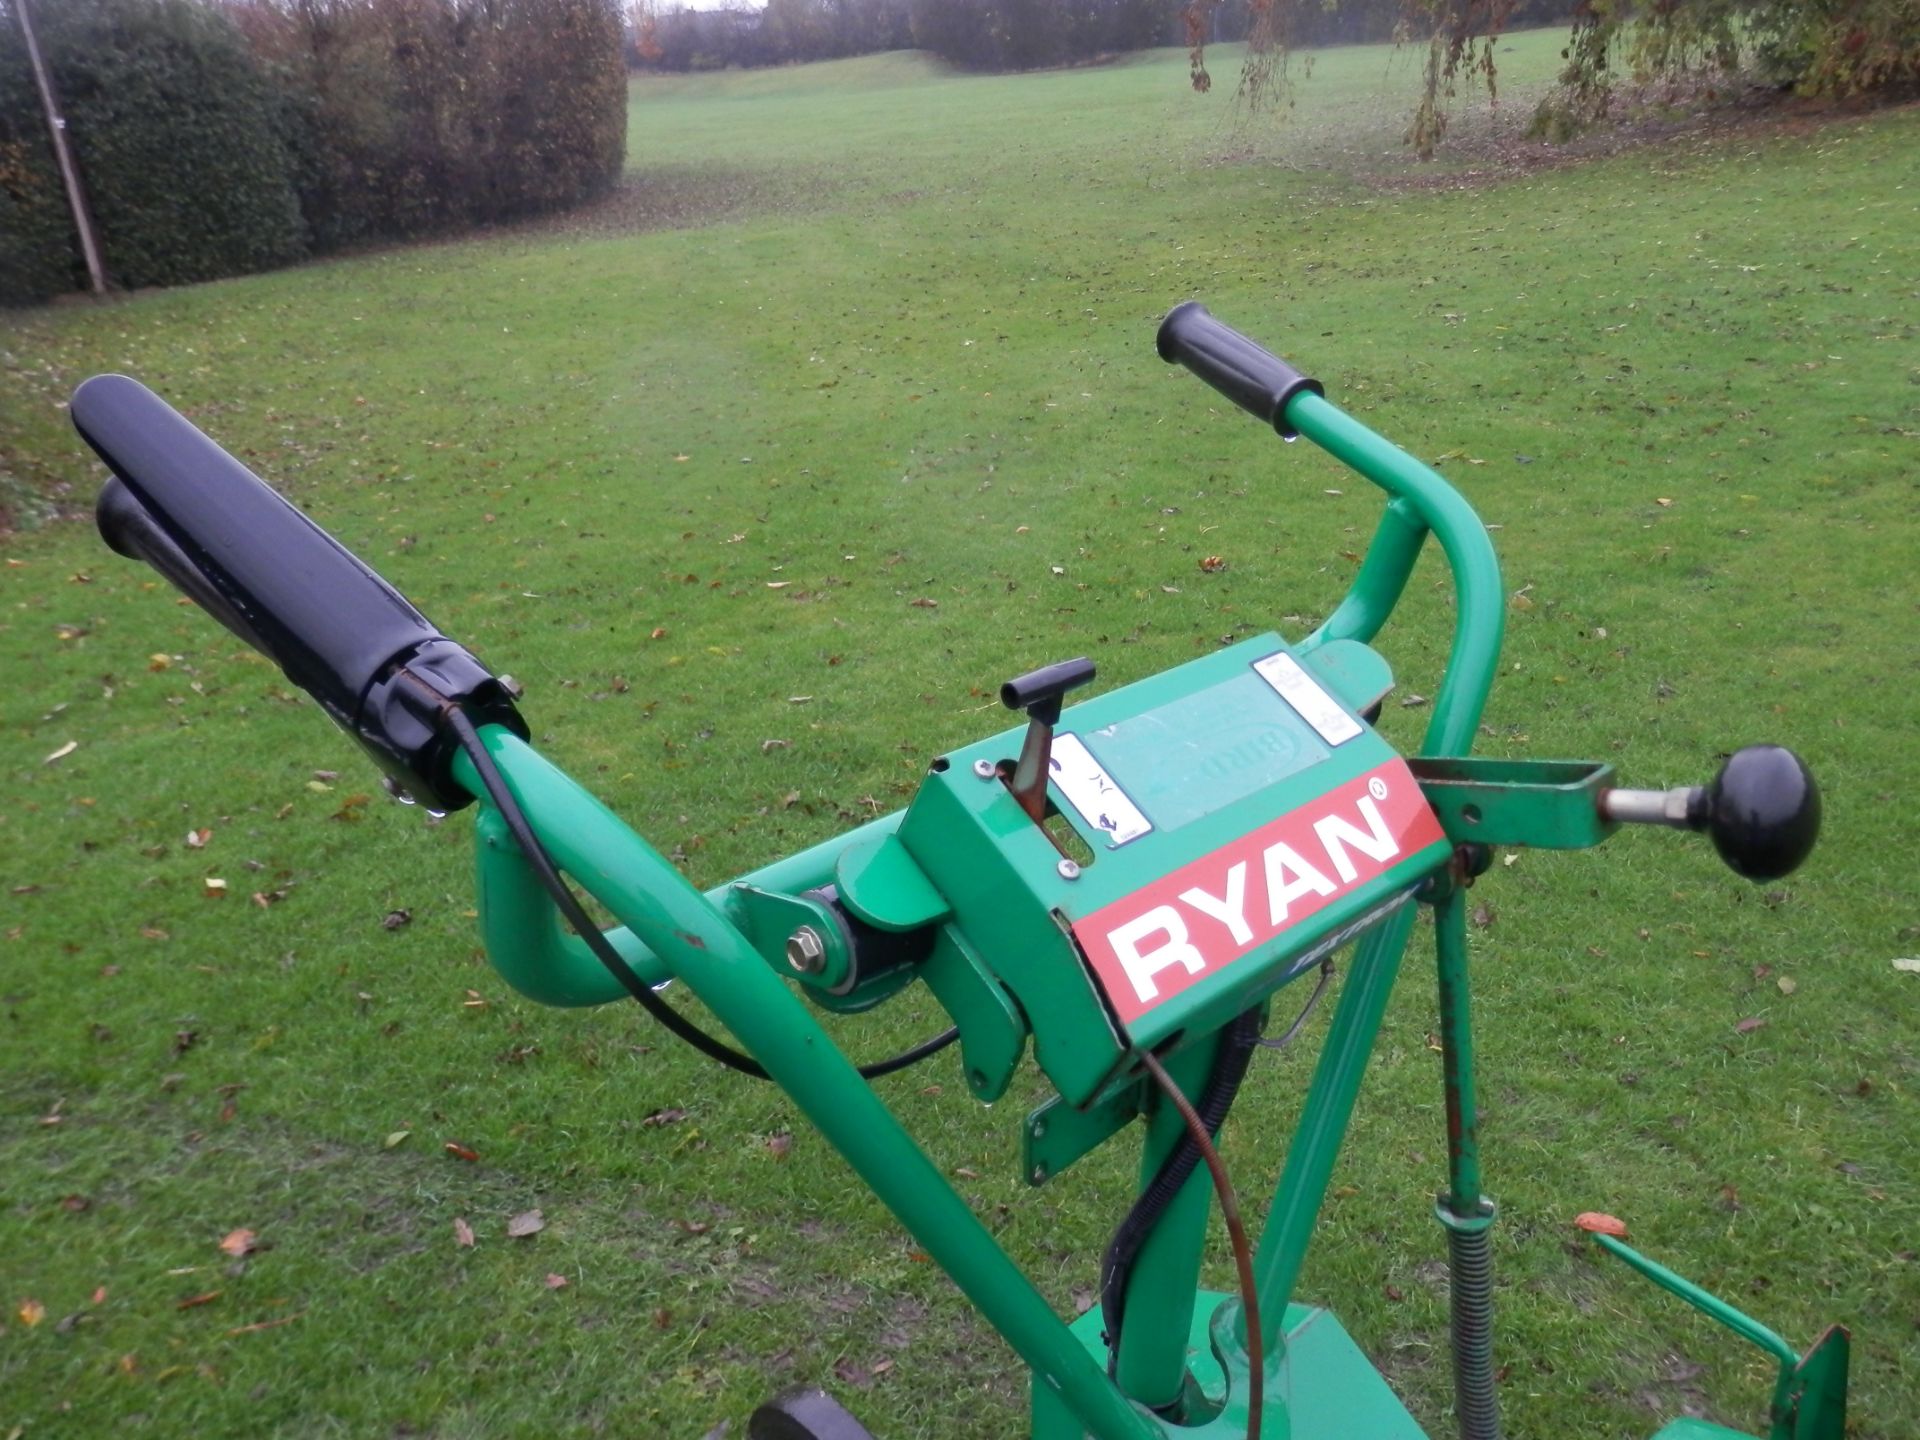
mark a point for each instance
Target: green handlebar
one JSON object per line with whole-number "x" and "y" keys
{"x": 1423, "y": 500}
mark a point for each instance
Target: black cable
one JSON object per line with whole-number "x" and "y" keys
{"x": 1223, "y": 1083}
{"x": 503, "y": 800}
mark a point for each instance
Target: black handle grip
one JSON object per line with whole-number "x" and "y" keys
{"x": 283, "y": 585}
{"x": 1039, "y": 692}
{"x": 1255, "y": 379}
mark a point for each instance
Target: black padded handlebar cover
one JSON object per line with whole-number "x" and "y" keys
{"x": 282, "y": 584}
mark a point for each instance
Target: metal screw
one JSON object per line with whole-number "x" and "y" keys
{"x": 806, "y": 951}
{"x": 984, "y": 769}
{"x": 512, "y": 686}
{"x": 1069, "y": 870}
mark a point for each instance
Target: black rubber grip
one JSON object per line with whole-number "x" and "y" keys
{"x": 1256, "y": 380}
{"x": 281, "y": 583}
{"x": 220, "y": 533}
{"x": 1041, "y": 691}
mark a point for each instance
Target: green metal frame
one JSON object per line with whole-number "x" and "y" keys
{"x": 1184, "y": 1374}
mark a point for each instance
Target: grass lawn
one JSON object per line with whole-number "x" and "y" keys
{"x": 876, "y": 334}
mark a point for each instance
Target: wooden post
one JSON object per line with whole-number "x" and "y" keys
{"x": 70, "y": 176}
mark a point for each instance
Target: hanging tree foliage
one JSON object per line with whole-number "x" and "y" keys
{"x": 1836, "y": 48}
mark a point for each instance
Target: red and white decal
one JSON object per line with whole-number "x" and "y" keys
{"x": 1169, "y": 936}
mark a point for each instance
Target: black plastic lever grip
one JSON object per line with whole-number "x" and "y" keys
{"x": 1255, "y": 379}
{"x": 282, "y": 584}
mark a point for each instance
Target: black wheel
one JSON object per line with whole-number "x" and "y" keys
{"x": 805, "y": 1413}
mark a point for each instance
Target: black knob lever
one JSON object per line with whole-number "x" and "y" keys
{"x": 1039, "y": 693}
{"x": 1762, "y": 811}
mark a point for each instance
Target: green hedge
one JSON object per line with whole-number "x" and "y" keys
{"x": 215, "y": 143}
{"x": 172, "y": 127}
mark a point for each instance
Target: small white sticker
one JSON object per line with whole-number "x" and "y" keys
{"x": 1094, "y": 793}
{"x": 1303, "y": 693}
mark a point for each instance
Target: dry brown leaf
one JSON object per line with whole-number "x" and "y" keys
{"x": 462, "y": 1233}
{"x": 461, "y": 1152}
{"x": 31, "y": 1312}
{"x": 1597, "y": 1223}
{"x": 527, "y": 1222}
{"x": 62, "y": 753}
{"x": 556, "y": 1282}
{"x": 240, "y": 1242}
{"x": 1749, "y": 1025}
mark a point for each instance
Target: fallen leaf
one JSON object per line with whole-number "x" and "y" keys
{"x": 461, "y": 1152}
{"x": 193, "y": 1300}
{"x": 1787, "y": 984}
{"x": 197, "y": 839}
{"x": 527, "y": 1222}
{"x": 779, "y": 1145}
{"x": 215, "y": 888}
{"x": 924, "y": 603}
{"x": 394, "y": 1137}
{"x": 395, "y": 919}
{"x": 462, "y": 1233}
{"x": 1908, "y": 964}
{"x": 669, "y": 1116}
{"x": 556, "y": 1282}
{"x": 1598, "y": 1223}
{"x": 1212, "y": 564}
{"x": 1663, "y": 502}
{"x": 240, "y": 1242}
{"x": 1482, "y": 915}
{"x": 1749, "y": 1025}
{"x": 265, "y": 1324}
{"x": 31, "y": 1312}
{"x": 1393, "y": 1292}
{"x": 1412, "y": 702}
{"x": 62, "y": 753}
{"x": 158, "y": 661}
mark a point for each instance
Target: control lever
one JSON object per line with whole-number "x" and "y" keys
{"x": 1039, "y": 693}
{"x": 1762, "y": 810}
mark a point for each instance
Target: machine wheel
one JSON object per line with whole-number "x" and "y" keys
{"x": 804, "y": 1413}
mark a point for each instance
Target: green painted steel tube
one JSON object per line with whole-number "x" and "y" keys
{"x": 538, "y": 957}
{"x": 694, "y": 940}
{"x": 1745, "y": 1326}
{"x": 1152, "y": 1366}
{"x": 1383, "y": 577}
{"x": 1456, "y": 1055}
{"x": 524, "y": 938}
{"x": 1323, "y": 1119}
{"x": 1480, "y": 617}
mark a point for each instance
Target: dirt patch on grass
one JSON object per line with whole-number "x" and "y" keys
{"x": 685, "y": 197}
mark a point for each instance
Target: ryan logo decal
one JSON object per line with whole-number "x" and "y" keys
{"x": 1170, "y": 935}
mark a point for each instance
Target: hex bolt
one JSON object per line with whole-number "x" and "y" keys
{"x": 1069, "y": 870}
{"x": 806, "y": 951}
{"x": 984, "y": 769}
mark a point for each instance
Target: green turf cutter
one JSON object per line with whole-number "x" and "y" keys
{"x": 1124, "y": 881}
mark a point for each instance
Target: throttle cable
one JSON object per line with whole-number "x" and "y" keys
{"x": 502, "y": 799}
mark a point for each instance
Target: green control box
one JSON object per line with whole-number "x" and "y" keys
{"x": 1241, "y": 822}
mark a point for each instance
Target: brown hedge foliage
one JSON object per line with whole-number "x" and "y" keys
{"x": 417, "y": 116}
